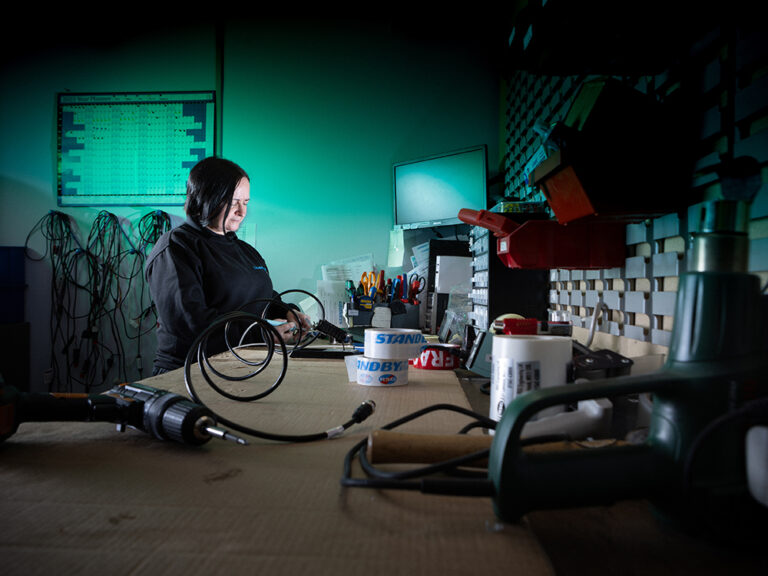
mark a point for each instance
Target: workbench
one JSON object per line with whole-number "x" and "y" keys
{"x": 84, "y": 498}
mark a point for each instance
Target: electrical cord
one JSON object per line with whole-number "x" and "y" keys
{"x": 274, "y": 345}
{"x": 419, "y": 478}
{"x": 459, "y": 482}
{"x": 93, "y": 284}
{"x": 303, "y": 337}
{"x": 151, "y": 226}
{"x": 269, "y": 335}
{"x": 59, "y": 242}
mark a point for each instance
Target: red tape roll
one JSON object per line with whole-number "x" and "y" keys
{"x": 437, "y": 358}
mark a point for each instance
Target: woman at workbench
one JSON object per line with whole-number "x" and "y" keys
{"x": 201, "y": 269}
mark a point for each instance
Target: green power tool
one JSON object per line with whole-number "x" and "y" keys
{"x": 712, "y": 389}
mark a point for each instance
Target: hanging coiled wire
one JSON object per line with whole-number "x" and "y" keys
{"x": 96, "y": 288}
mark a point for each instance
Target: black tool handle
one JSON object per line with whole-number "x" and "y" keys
{"x": 38, "y": 407}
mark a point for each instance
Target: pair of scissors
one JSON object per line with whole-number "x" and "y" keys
{"x": 380, "y": 286}
{"x": 368, "y": 282}
{"x": 416, "y": 285}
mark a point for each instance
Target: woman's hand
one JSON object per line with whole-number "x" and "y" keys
{"x": 287, "y": 330}
{"x": 300, "y": 320}
{"x": 296, "y": 323}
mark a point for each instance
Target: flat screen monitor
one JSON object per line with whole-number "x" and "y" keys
{"x": 430, "y": 191}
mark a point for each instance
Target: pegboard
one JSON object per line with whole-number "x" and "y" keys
{"x": 636, "y": 301}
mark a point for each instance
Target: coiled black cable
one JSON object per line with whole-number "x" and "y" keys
{"x": 274, "y": 345}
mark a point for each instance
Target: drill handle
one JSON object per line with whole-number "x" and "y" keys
{"x": 39, "y": 407}
{"x": 565, "y": 475}
{"x": 17, "y": 407}
{"x": 527, "y": 405}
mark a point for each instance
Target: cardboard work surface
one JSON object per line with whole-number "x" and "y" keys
{"x": 83, "y": 498}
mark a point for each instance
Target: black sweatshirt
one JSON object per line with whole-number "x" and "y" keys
{"x": 194, "y": 277}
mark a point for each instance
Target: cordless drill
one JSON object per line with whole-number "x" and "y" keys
{"x": 163, "y": 414}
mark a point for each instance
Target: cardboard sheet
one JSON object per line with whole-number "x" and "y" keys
{"x": 83, "y": 498}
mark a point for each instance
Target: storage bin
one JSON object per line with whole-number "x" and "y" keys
{"x": 12, "y": 284}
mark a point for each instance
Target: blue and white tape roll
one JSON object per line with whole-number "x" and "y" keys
{"x": 376, "y": 372}
{"x": 393, "y": 343}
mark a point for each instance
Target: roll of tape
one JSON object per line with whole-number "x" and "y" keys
{"x": 497, "y": 326}
{"x": 520, "y": 364}
{"x": 377, "y": 372}
{"x": 393, "y": 343}
{"x": 443, "y": 357}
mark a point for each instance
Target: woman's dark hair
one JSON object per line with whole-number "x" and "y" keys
{"x": 210, "y": 187}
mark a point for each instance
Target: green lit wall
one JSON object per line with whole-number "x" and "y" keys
{"x": 319, "y": 122}
{"x": 316, "y": 113}
{"x": 67, "y": 56}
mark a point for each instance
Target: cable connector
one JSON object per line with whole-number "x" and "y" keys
{"x": 335, "y": 432}
{"x": 364, "y": 410}
{"x": 331, "y": 330}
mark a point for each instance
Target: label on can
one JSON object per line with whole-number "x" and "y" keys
{"x": 509, "y": 379}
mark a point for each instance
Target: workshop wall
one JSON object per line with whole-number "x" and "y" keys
{"x": 322, "y": 114}
{"x": 316, "y": 113}
{"x": 67, "y": 55}
{"x": 727, "y": 95}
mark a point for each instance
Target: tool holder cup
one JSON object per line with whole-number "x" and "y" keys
{"x": 713, "y": 387}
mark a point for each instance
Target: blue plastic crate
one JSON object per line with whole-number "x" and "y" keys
{"x": 12, "y": 266}
{"x": 12, "y": 284}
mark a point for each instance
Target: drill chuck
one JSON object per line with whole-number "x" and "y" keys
{"x": 171, "y": 417}
{"x": 168, "y": 416}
